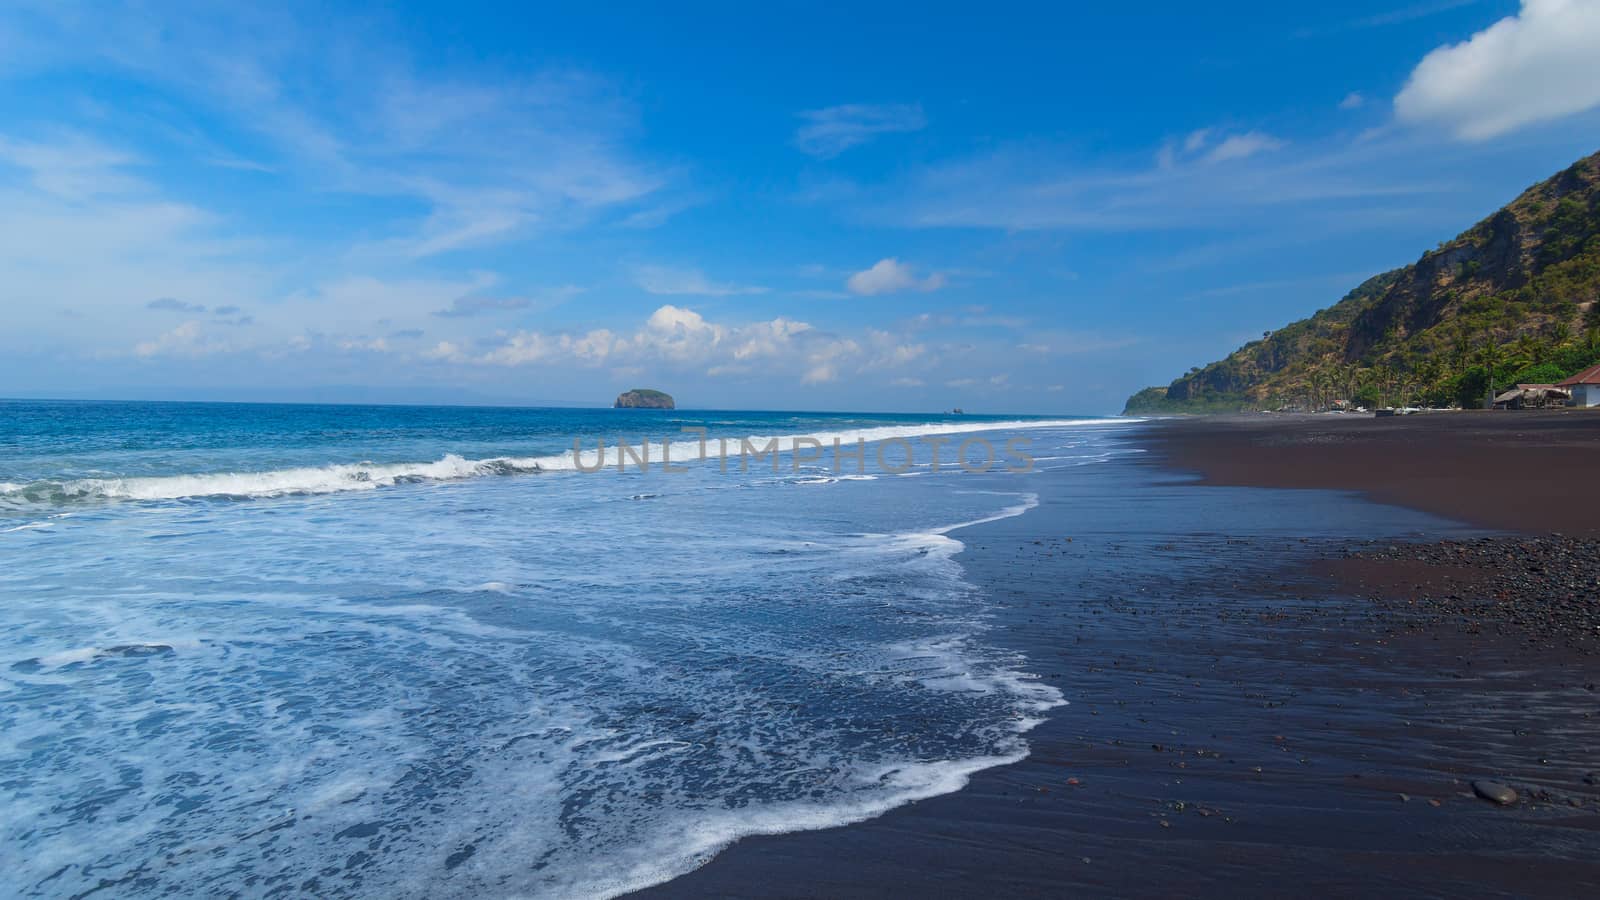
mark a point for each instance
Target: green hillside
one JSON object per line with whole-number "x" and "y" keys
{"x": 1513, "y": 299}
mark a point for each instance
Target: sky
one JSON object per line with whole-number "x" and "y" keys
{"x": 1010, "y": 208}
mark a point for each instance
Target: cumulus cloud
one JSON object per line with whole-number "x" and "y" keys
{"x": 831, "y": 131}
{"x": 889, "y": 276}
{"x": 666, "y": 281}
{"x": 370, "y": 345}
{"x": 188, "y": 339}
{"x": 1536, "y": 66}
{"x": 680, "y": 338}
{"x": 171, "y": 304}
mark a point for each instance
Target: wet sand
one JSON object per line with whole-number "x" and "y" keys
{"x": 1243, "y": 719}
{"x": 1531, "y": 471}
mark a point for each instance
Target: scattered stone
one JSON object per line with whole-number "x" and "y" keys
{"x": 1494, "y": 792}
{"x": 1547, "y": 588}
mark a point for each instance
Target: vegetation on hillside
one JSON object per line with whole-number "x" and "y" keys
{"x": 1515, "y": 299}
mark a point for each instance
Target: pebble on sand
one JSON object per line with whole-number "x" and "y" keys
{"x": 1494, "y": 792}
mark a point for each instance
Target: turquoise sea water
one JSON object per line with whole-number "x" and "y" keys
{"x": 419, "y": 652}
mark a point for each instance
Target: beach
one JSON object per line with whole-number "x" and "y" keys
{"x": 1269, "y": 682}
{"x": 1133, "y": 668}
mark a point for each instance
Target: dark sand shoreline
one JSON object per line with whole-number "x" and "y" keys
{"x": 1528, "y": 471}
{"x": 1242, "y": 721}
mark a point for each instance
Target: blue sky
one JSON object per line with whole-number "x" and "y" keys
{"x": 1010, "y": 208}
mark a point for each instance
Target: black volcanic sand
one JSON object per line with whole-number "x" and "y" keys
{"x": 1529, "y": 470}
{"x": 1542, "y": 591}
{"x": 1242, "y": 721}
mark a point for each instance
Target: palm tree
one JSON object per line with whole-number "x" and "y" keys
{"x": 1560, "y": 333}
{"x": 1492, "y": 356}
{"x": 1527, "y": 350}
{"x": 1461, "y": 347}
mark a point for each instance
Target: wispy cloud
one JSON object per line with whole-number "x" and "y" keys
{"x": 171, "y": 304}
{"x": 830, "y": 131}
{"x": 1033, "y": 187}
{"x": 669, "y": 282}
{"x": 1398, "y": 16}
{"x": 478, "y": 305}
{"x": 463, "y": 307}
{"x": 1243, "y": 146}
{"x": 490, "y": 157}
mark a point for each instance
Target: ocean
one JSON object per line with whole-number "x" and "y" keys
{"x": 420, "y": 651}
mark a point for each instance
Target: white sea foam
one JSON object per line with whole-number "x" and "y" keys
{"x": 507, "y": 708}
{"x": 698, "y": 842}
{"x": 366, "y": 476}
{"x": 128, "y": 648}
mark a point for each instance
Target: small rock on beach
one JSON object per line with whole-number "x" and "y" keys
{"x": 1494, "y": 792}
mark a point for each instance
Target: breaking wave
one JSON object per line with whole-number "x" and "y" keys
{"x": 367, "y": 476}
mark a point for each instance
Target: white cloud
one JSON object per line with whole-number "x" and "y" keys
{"x": 1539, "y": 65}
{"x": 79, "y": 231}
{"x": 676, "y": 338}
{"x": 1353, "y": 100}
{"x": 1389, "y": 17}
{"x": 370, "y": 345}
{"x": 341, "y": 108}
{"x": 669, "y": 282}
{"x": 1194, "y": 146}
{"x": 74, "y": 168}
{"x": 831, "y": 131}
{"x": 1243, "y": 146}
{"x": 889, "y": 276}
{"x": 351, "y": 303}
{"x": 1040, "y": 187}
{"x": 187, "y": 339}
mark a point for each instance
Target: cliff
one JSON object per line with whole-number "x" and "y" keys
{"x": 1511, "y": 299}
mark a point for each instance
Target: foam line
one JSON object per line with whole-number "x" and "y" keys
{"x": 368, "y": 476}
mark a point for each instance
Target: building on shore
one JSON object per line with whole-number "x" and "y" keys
{"x": 1532, "y": 396}
{"x": 1584, "y": 387}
